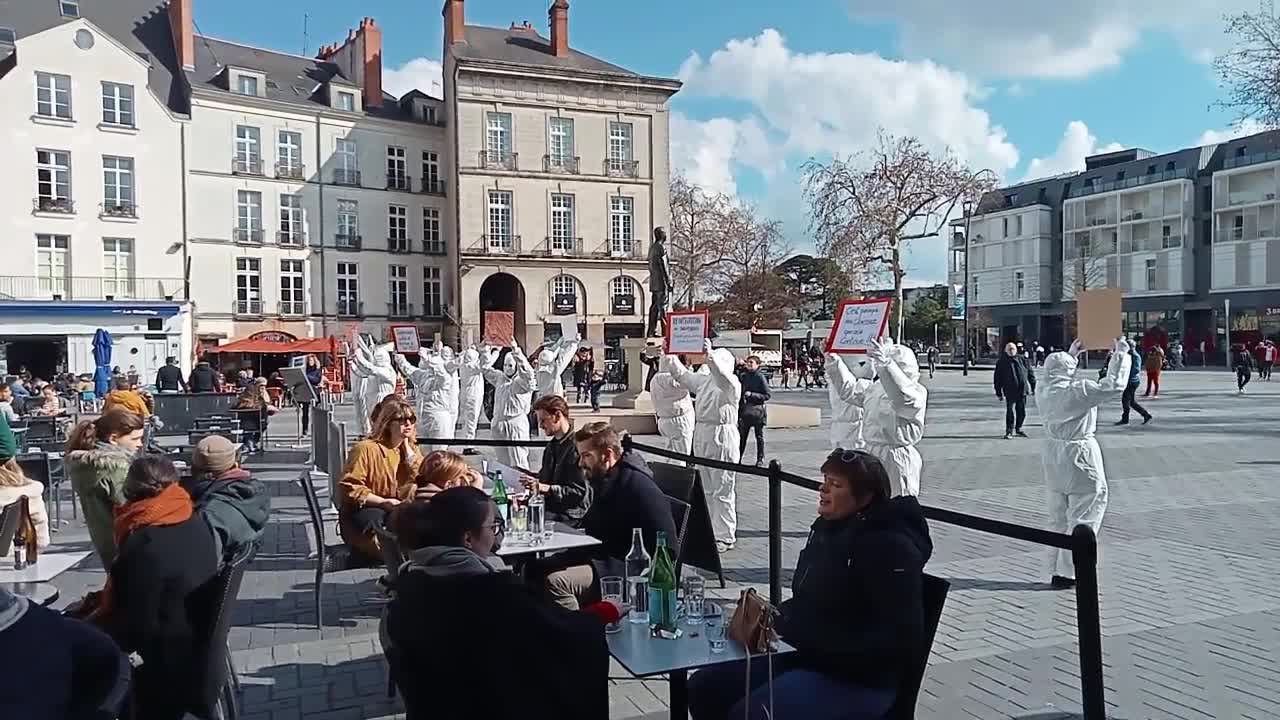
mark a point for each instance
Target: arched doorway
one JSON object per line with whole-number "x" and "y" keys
{"x": 503, "y": 292}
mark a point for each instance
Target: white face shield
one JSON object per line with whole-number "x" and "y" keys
{"x": 509, "y": 365}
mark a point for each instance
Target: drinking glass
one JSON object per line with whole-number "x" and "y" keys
{"x": 520, "y": 524}
{"x": 713, "y": 617}
{"x": 548, "y": 530}
{"x": 695, "y": 595}
{"x": 611, "y": 589}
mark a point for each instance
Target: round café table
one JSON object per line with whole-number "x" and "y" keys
{"x": 43, "y": 594}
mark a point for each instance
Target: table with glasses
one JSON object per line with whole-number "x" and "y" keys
{"x": 562, "y": 537}
{"x": 645, "y": 656}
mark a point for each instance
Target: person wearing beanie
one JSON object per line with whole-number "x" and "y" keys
{"x": 232, "y": 503}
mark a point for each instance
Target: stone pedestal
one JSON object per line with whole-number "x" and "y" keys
{"x": 636, "y": 397}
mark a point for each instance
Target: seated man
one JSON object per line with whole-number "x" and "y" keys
{"x": 623, "y": 496}
{"x": 6, "y": 404}
{"x": 234, "y": 504}
{"x": 560, "y": 479}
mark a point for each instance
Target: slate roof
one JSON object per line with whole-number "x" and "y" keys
{"x": 527, "y": 47}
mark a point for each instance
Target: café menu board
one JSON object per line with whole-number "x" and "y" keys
{"x": 686, "y": 331}
{"x": 858, "y": 323}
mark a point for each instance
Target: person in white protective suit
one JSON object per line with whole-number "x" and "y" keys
{"x": 715, "y": 432}
{"x": 512, "y": 387}
{"x": 553, "y": 360}
{"x": 373, "y": 365}
{"x": 1077, "y": 482}
{"x": 674, "y": 410}
{"x": 893, "y": 414}
{"x": 471, "y": 389}
{"x": 846, "y": 386}
{"x": 437, "y": 391}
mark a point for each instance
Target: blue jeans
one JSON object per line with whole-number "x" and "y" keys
{"x": 798, "y": 694}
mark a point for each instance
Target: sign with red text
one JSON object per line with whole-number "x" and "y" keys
{"x": 686, "y": 332}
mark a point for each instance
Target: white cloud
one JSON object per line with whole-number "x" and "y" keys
{"x": 417, "y": 74}
{"x": 1076, "y": 144}
{"x": 1214, "y": 137}
{"x": 1015, "y": 38}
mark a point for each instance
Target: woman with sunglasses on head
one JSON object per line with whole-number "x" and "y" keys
{"x": 379, "y": 476}
{"x": 856, "y": 614}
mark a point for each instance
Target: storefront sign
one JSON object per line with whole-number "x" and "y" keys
{"x": 624, "y": 304}
{"x": 564, "y": 304}
{"x": 273, "y": 336}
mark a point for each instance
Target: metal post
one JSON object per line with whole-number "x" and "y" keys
{"x": 964, "y": 346}
{"x": 1084, "y": 555}
{"x": 775, "y": 532}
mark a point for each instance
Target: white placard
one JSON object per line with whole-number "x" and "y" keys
{"x": 686, "y": 332}
{"x": 568, "y": 327}
{"x": 858, "y": 323}
{"x": 405, "y": 338}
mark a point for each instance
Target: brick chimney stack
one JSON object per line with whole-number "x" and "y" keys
{"x": 360, "y": 58}
{"x": 180, "y": 23}
{"x": 559, "y": 15}
{"x": 454, "y": 22}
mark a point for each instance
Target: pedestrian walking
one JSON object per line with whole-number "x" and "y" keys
{"x": 1153, "y": 365}
{"x": 1014, "y": 380}
{"x": 752, "y": 407}
{"x": 1268, "y": 360}
{"x": 932, "y": 355}
{"x": 1129, "y": 400}
{"x": 802, "y": 369}
{"x": 1242, "y": 363}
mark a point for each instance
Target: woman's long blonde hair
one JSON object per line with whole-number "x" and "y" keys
{"x": 445, "y": 469}
{"x": 388, "y": 412}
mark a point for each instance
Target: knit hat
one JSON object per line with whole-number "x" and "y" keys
{"x": 214, "y": 454}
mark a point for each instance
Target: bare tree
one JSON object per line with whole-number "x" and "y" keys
{"x": 752, "y": 246}
{"x": 696, "y": 244}
{"x": 1250, "y": 72}
{"x": 863, "y": 210}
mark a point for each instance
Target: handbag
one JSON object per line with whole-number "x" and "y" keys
{"x": 752, "y": 623}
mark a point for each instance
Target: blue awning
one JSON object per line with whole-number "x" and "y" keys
{"x": 53, "y": 308}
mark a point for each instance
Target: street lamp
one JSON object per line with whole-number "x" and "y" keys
{"x": 967, "y": 207}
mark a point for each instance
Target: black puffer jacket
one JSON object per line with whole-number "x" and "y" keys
{"x": 626, "y": 498}
{"x": 755, "y": 393}
{"x": 204, "y": 379}
{"x": 857, "y": 609}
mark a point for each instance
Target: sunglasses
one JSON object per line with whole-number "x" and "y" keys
{"x": 405, "y": 420}
{"x": 848, "y": 456}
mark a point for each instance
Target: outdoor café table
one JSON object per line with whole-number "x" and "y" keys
{"x": 39, "y": 593}
{"x": 645, "y": 656}
{"x": 563, "y": 538}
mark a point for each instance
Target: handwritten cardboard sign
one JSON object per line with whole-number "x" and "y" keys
{"x": 568, "y": 326}
{"x": 1099, "y": 319}
{"x": 686, "y": 331}
{"x": 405, "y": 338}
{"x": 858, "y": 323}
{"x": 499, "y": 328}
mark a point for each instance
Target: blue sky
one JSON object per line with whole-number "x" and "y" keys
{"x": 1012, "y": 85}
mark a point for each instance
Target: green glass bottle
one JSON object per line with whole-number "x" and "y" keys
{"x": 662, "y": 587}
{"x": 501, "y": 500}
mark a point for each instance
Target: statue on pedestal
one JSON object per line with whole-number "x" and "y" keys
{"x": 660, "y": 285}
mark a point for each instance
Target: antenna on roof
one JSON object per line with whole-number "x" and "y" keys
{"x": 305, "y": 35}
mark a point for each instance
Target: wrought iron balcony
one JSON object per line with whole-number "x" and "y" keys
{"x": 560, "y": 164}
{"x": 433, "y": 311}
{"x": 117, "y": 209}
{"x": 399, "y": 246}
{"x": 432, "y": 186}
{"x": 434, "y": 248}
{"x": 342, "y": 176}
{"x": 293, "y": 308}
{"x": 399, "y": 182}
{"x": 47, "y": 204}
{"x": 248, "y": 308}
{"x": 350, "y": 308}
{"x": 495, "y": 245}
{"x": 400, "y": 310}
{"x": 557, "y": 246}
{"x": 614, "y": 167}
{"x": 34, "y": 287}
{"x": 347, "y": 242}
{"x": 246, "y": 165}
{"x": 291, "y": 171}
{"x": 498, "y": 160}
{"x": 247, "y": 236}
{"x": 291, "y": 238}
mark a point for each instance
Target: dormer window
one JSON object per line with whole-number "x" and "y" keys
{"x": 344, "y": 96}
{"x": 246, "y": 82}
{"x": 8, "y": 36}
{"x": 247, "y": 85}
{"x": 346, "y": 101}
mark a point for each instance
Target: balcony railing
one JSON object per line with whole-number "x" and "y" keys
{"x": 347, "y": 242}
{"x": 246, "y": 165}
{"x": 118, "y": 210}
{"x": 433, "y": 186}
{"x": 291, "y": 171}
{"x": 291, "y": 238}
{"x": 293, "y": 308}
{"x": 250, "y": 308}
{"x": 1140, "y": 180}
{"x": 498, "y": 160}
{"x": 60, "y": 205}
{"x": 434, "y": 248}
{"x": 399, "y": 245}
{"x": 1246, "y": 160}
{"x": 399, "y": 182}
{"x": 350, "y": 308}
{"x": 560, "y": 164}
{"x": 346, "y": 177}
{"x": 31, "y": 287}
{"x": 400, "y": 310}
{"x": 562, "y": 247}
{"x": 614, "y": 167}
{"x": 247, "y": 236}
{"x": 494, "y": 245}
{"x": 619, "y": 248}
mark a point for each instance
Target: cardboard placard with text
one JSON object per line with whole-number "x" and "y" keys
{"x": 686, "y": 332}
{"x": 405, "y": 338}
{"x": 858, "y": 323}
{"x": 499, "y": 328}
{"x": 1099, "y": 318}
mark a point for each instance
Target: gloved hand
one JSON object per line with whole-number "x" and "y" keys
{"x": 830, "y": 360}
{"x": 1077, "y": 348}
{"x": 879, "y": 352}
{"x": 515, "y": 348}
{"x": 707, "y": 347}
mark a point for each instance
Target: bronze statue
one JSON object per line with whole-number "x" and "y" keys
{"x": 660, "y": 285}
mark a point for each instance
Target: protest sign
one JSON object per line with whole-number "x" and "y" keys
{"x": 499, "y": 328}
{"x": 686, "y": 331}
{"x": 1099, "y": 320}
{"x": 858, "y": 324}
{"x": 405, "y": 338}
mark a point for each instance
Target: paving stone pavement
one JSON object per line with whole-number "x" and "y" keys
{"x": 1189, "y": 570}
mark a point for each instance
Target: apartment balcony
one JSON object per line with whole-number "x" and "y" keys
{"x": 1228, "y": 200}
{"x": 1137, "y": 181}
{"x": 434, "y": 248}
{"x": 401, "y": 183}
{"x": 614, "y": 167}
{"x": 1247, "y": 160}
{"x": 400, "y": 310}
{"x": 399, "y": 246}
{"x": 293, "y": 308}
{"x": 32, "y": 287}
{"x": 560, "y": 164}
{"x": 247, "y": 236}
{"x": 120, "y": 210}
{"x": 621, "y": 249}
{"x": 350, "y": 308}
{"x": 559, "y": 246}
{"x": 291, "y": 171}
{"x": 350, "y": 178}
{"x": 433, "y": 186}
{"x": 291, "y": 238}
{"x": 494, "y": 245}
{"x": 347, "y": 242}
{"x": 497, "y": 160}
{"x": 57, "y": 205}
{"x": 248, "y": 308}
{"x": 246, "y": 166}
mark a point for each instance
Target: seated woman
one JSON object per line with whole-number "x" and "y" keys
{"x": 50, "y": 405}
{"x": 443, "y": 469}
{"x": 856, "y": 615}
{"x": 98, "y": 456}
{"x": 15, "y": 486}
{"x": 254, "y": 397}
{"x": 379, "y": 476}
{"x": 454, "y": 594}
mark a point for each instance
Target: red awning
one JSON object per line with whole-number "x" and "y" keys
{"x": 257, "y": 345}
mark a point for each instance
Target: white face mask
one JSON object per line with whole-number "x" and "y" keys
{"x": 509, "y": 366}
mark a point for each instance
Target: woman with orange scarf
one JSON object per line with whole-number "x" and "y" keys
{"x": 379, "y": 476}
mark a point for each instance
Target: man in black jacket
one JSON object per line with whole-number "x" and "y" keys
{"x": 567, "y": 492}
{"x": 1014, "y": 380}
{"x": 624, "y": 496}
{"x": 204, "y": 379}
{"x": 169, "y": 378}
{"x": 752, "y": 413}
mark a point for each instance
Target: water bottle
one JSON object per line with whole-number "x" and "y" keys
{"x": 537, "y": 517}
{"x": 637, "y": 587}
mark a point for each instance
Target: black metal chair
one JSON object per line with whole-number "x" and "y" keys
{"x": 329, "y": 558}
{"x": 9, "y": 517}
{"x": 215, "y": 695}
{"x": 935, "y": 596}
{"x": 680, "y": 515}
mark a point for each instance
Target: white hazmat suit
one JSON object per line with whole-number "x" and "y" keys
{"x": 674, "y": 410}
{"x": 552, "y": 362}
{"x": 715, "y": 431}
{"x": 893, "y": 414}
{"x": 437, "y": 393}
{"x": 846, "y": 386}
{"x": 373, "y": 365}
{"x": 471, "y": 390}
{"x": 512, "y": 386}
{"x": 1077, "y": 482}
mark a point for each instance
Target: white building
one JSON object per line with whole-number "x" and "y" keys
{"x": 561, "y": 161}
{"x": 91, "y": 129}
{"x": 1010, "y": 256}
{"x": 1246, "y": 254}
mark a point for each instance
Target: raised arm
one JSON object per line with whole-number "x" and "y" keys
{"x": 417, "y": 376}
{"x": 691, "y": 381}
{"x": 903, "y": 392}
{"x": 1096, "y": 392}
{"x": 721, "y": 367}
{"x": 565, "y": 355}
{"x": 524, "y": 377}
{"x": 848, "y": 388}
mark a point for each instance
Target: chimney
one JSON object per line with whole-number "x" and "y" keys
{"x": 559, "y": 14}
{"x": 454, "y": 23}
{"x": 180, "y": 23}
{"x": 372, "y": 36}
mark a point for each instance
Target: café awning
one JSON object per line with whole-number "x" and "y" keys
{"x": 280, "y": 346}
